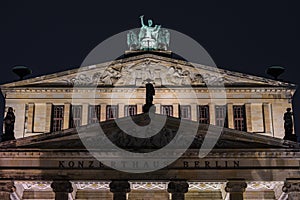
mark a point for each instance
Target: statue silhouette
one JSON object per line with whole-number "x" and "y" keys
{"x": 9, "y": 126}
{"x": 150, "y": 92}
{"x": 288, "y": 125}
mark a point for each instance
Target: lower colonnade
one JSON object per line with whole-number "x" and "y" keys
{"x": 233, "y": 189}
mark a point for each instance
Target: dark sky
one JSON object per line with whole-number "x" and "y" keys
{"x": 244, "y": 36}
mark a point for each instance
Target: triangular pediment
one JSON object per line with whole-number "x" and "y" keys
{"x": 72, "y": 138}
{"x": 137, "y": 70}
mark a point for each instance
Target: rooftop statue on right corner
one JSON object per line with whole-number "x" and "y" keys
{"x": 288, "y": 125}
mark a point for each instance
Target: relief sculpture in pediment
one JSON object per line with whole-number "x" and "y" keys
{"x": 141, "y": 73}
{"x": 108, "y": 76}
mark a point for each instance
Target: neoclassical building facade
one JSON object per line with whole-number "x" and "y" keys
{"x": 250, "y": 159}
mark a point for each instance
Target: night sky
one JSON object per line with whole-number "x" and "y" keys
{"x": 243, "y": 36}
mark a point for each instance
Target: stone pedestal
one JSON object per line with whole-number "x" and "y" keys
{"x": 5, "y": 189}
{"x": 119, "y": 189}
{"x": 178, "y": 189}
{"x": 292, "y": 188}
{"x": 61, "y": 189}
{"x": 236, "y": 188}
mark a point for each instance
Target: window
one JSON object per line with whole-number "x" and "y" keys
{"x": 130, "y": 110}
{"x": 167, "y": 110}
{"x": 57, "y": 117}
{"x": 111, "y": 112}
{"x": 239, "y": 118}
{"x": 221, "y": 116}
{"x": 203, "y": 114}
{"x": 185, "y": 112}
{"x": 75, "y": 119}
{"x": 94, "y": 114}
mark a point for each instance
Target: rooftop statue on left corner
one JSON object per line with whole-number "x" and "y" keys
{"x": 149, "y": 38}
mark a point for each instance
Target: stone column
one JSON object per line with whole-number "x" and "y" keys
{"x": 178, "y": 189}
{"x": 292, "y": 188}
{"x": 5, "y": 189}
{"x": 212, "y": 113}
{"x": 119, "y": 189}
{"x": 67, "y": 113}
{"x": 48, "y": 117}
{"x": 248, "y": 117}
{"x": 175, "y": 110}
{"x": 30, "y": 117}
{"x": 236, "y": 188}
{"x": 103, "y": 112}
{"x": 61, "y": 189}
{"x": 230, "y": 115}
{"x": 85, "y": 114}
{"x": 267, "y": 118}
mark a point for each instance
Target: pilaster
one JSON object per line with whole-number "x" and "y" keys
{"x": 48, "y": 117}
{"x": 212, "y": 113}
{"x": 30, "y": 117}
{"x": 267, "y": 118}
{"x": 194, "y": 111}
{"x": 121, "y": 110}
{"x": 85, "y": 114}
{"x": 230, "y": 115}
{"x": 139, "y": 108}
{"x": 248, "y": 117}
{"x": 175, "y": 110}
{"x": 103, "y": 112}
{"x": 67, "y": 110}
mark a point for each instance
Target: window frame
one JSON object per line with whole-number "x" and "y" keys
{"x": 77, "y": 120}
{"x": 127, "y": 110}
{"x": 239, "y": 117}
{"x": 94, "y": 114}
{"x": 189, "y": 113}
{"x": 169, "y": 107}
{"x": 57, "y": 120}
{"x": 203, "y": 119}
{"x": 116, "y": 110}
{"x": 221, "y": 118}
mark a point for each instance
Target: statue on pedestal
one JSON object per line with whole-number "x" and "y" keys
{"x": 9, "y": 125}
{"x": 149, "y": 37}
